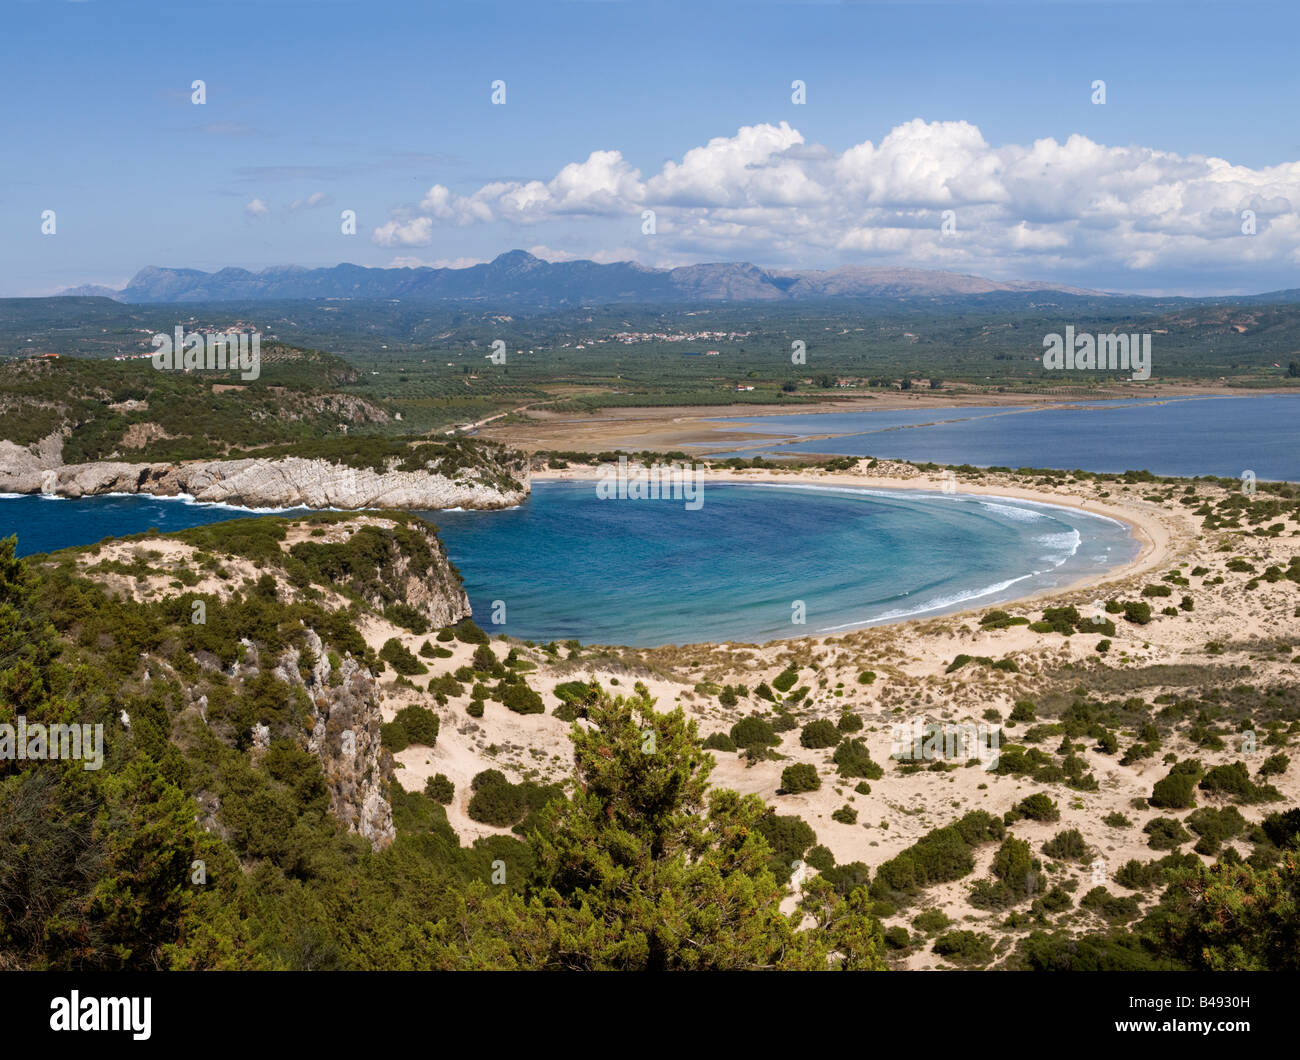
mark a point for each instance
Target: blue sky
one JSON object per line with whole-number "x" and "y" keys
{"x": 684, "y": 109}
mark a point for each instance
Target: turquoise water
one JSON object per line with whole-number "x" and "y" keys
{"x": 568, "y": 565}
{"x": 1192, "y": 436}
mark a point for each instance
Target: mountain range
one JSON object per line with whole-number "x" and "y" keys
{"x": 518, "y": 276}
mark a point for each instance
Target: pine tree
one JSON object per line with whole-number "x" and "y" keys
{"x": 644, "y": 867}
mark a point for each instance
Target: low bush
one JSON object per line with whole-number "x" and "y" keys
{"x": 754, "y": 732}
{"x": 818, "y": 734}
{"x": 1066, "y": 846}
{"x": 1036, "y": 807}
{"x": 399, "y": 657}
{"x": 440, "y": 789}
{"x": 799, "y": 778}
{"x": 852, "y": 759}
{"x": 719, "y": 741}
{"x": 964, "y": 947}
{"x": 1165, "y": 833}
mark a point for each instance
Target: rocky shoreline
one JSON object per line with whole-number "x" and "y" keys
{"x": 284, "y": 482}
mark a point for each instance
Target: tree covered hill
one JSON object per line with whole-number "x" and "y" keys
{"x": 213, "y": 837}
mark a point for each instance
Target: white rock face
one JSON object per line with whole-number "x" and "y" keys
{"x": 287, "y": 482}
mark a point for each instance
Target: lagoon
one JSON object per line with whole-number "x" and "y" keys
{"x": 1221, "y": 436}
{"x": 567, "y": 565}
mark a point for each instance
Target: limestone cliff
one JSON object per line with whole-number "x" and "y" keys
{"x": 280, "y": 482}
{"x": 345, "y": 737}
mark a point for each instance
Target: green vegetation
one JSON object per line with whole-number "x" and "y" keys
{"x": 754, "y": 732}
{"x": 1177, "y": 791}
{"x": 798, "y": 778}
{"x": 784, "y": 681}
{"x": 440, "y": 789}
{"x": 1036, "y": 807}
{"x": 852, "y": 759}
{"x": 964, "y": 947}
{"x": 819, "y": 733}
{"x": 939, "y": 856}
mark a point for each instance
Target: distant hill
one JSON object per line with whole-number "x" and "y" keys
{"x": 90, "y": 290}
{"x": 518, "y": 276}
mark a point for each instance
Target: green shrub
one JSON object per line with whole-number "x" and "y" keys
{"x": 897, "y": 938}
{"x": 845, "y": 815}
{"x": 1001, "y": 620}
{"x": 1274, "y": 765}
{"x": 964, "y": 947}
{"x": 1137, "y": 612}
{"x": 467, "y": 632}
{"x": 931, "y": 921}
{"x": 1165, "y": 833}
{"x": 866, "y": 677}
{"x": 784, "y": 681}
{"x": 849, "y": 722}
{"x": 1114, "y": 909}
{"x": 440, "y": 789}
{"x": 1036, "y": 807}
{"x": 1066, "y": 846}
{"x": 1013, "y": 863}
{"x": 498, "y": 802}
{"x": 789, "y": 837}
{"x": 407, "y": 617}
{"x": 852, "y": 759}
{"x": 523, "y": 700}
{"x": 783, "y": 721}
{"x": 420, "y": 725}
{"x": 485, "y": 660}
{"x": 1234, "y": 781}
{"x": 397, "y": 655}
{"x": 820, "y": 858}
{"x": 392, "y": 735}
{"x": 447, "y": 685}
{"x": 819, "y": 733}
{"x": 939, "y": 856}
{"x": 754, "y": 732}
{"x": 798, "y": 778}
{"x": 1177, "y": 791}
{"x": 845, "y": 878}
{"x": 720, "y": 741}
{"x": 1057, "y": 900}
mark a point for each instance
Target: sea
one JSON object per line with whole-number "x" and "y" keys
{"x": 752, "y": 563}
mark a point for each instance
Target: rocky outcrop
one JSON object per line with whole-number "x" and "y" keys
{"x": 426, "y": 581}
{"x": 345, "y": 736}
{"x": 286, "y": 482}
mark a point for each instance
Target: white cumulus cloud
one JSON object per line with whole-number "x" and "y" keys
{"x": 766, "y": 193}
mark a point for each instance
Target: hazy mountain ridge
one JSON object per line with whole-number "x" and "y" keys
{"x": 520, "y": 276}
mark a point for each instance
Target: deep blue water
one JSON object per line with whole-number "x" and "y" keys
{"x": 1193, "y": 436}
{"x": 44, "y": 524}
{"x": 569, "y": 565}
